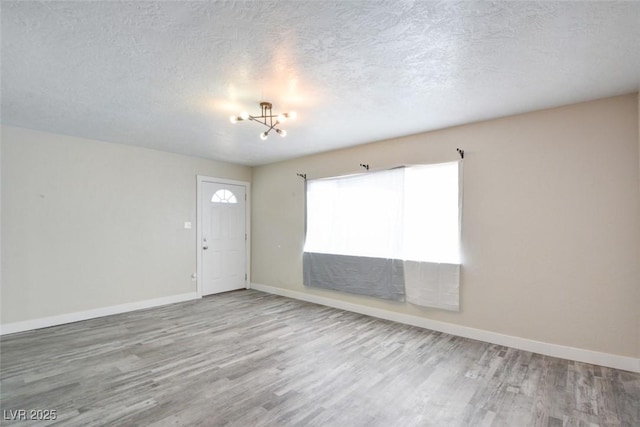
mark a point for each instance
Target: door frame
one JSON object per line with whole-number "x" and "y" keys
{"x": 200, "y": 180}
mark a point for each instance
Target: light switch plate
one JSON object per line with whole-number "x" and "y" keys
{"x": 187, "y": 225}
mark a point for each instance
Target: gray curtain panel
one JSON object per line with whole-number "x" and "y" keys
{"x": 375, "y": 277}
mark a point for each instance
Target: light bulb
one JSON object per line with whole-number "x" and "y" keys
{"x": 282, "y": 118}
{"x": 233, "y": 119}
{"x": 263, "y": 136}
{"x": 292, "y": 115}
{"x": 244, "y": 115}
{"x": 282, "y": 132}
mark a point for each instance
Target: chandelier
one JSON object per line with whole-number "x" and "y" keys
{"x": 266, "y": 118}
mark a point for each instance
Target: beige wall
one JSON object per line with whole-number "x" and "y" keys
{"x": 550, "y": 230}
{"x": 89, "y": 224}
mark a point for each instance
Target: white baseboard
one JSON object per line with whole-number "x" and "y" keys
{"x": 45, "y": 322}
{"x": 555, "y": 350}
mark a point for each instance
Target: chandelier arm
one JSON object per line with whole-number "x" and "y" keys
{"x": 273, "y": 126}
{"x": 263, "y": 117}
{"x": 264, "y": 123}
{"x": 258, "y": 119}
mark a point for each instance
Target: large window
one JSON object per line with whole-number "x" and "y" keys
{"x": 392, "y": 234}
{"x": 409, "y": 213}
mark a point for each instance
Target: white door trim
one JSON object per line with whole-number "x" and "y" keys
{"x": 200, "y": 179}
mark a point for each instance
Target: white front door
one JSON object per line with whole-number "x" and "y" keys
{"x": 223, "y": 237}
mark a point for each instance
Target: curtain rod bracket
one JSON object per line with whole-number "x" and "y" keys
{"x": 364, "y": 166}
{"x": 302, "y": 175}
{"x": 461, "y": 152}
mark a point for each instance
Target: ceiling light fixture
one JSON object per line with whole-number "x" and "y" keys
{"x": 266, "y": 118}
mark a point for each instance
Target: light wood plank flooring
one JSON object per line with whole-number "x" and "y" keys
{"x": 248, "y": 358}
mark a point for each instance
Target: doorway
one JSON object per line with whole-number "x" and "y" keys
{"x": 223, "y": 238}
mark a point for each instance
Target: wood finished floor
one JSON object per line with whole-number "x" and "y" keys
{"x": 247, "y": 358}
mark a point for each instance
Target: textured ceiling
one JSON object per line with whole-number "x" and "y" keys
{"x": 167, "y": 75}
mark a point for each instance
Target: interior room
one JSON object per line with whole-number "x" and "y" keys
{"x": 279, "y": 213}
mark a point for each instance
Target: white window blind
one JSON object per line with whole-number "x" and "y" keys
{"x": 356, "y": 215}
{"x": 409, "y": 213}
{"x": 431, "y": 228}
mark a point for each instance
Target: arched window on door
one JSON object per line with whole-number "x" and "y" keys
{"x": 224, "y": 196}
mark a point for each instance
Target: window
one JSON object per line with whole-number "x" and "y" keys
{"x": 392, "y": 234}
{"x": 224, "y": 196}
{"x": 407, "y": 213}
{"x": 431, "y": 214}
{"x": 355, "y": 215}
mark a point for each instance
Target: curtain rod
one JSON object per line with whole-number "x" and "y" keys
{"x": 367, "y": 167}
